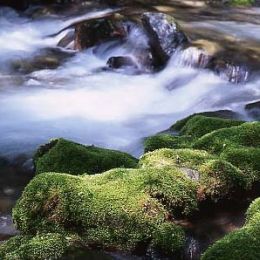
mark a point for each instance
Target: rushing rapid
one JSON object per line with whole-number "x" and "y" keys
{"x": 81, "y": 101}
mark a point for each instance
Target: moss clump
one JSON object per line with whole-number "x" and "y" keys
{"x": 119, "y": 209}
{"x": 253, "y": 209}
{"x": 241, "y": 244}
{"x": 220, "y": 179}
{"x": 198, "y": 125}
{"x": 224, "y": 114}
{"x": 242, "y": 2}
{"x": 239, "y": 145}
{"x": 68, "y": 157}
{"x": 216, "y": 178}
{"x": 175, "y": 157}
{"x": 167, "y": 237}
{"x": 166, "y": 141}
{"x": 43, "y": 246}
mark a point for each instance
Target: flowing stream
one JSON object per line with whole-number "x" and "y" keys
{"x": 81, "y": 101}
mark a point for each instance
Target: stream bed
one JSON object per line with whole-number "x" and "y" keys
{"x": 75, "y": 98}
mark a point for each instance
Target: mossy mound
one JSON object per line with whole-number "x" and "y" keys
{"x": 222, "y": 114}
{"x": 239, "y": 145}
{"x": 44, "y": 246}
{"x": 241, "y": 244}
{"x": 61, "y": 155}
{"x": 190, "y": 129}
{"x": 253, "y": 210}
{"x": 120, "y": 209}
{"x": 166, "y": 141}
{"x": 216, "y": 178}
{"x": 199, "y": 125}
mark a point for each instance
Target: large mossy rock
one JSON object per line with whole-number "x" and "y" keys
{"x": 216, "y": 179}
{"x": 64, "y": 156}
{"x": 121, "y": 209}
{"x": 241, "y": 244}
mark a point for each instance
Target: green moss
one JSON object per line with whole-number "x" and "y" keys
{"x": 247, "y": 134}
{"x": 220, "y": 179}
{"x": 166, "y": 141}
{"x": 168, "y": 237}
{"x": 43, "y": 246}
{"x": 119, "y": 209}
{"x": 238, "y": 145}
{"x": 253, "y": 209}
{"x": 216, "y": 178}
{"x": 224, "y": 114}
{"x": 175, "y": 157}
{"x": 242, "y": 2}
{"x": 246, "y": 159}
{"x": 64, "y": 156}
{"x": 198, "y": 126}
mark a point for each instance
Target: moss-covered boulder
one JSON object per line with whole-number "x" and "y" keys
{"x": 120, "y": 209}
{"x": 64, "y": 156}
{"x": 241, "y": 244}
{"x": 216, "y": 178}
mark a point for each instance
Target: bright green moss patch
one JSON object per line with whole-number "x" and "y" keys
{"x": 247, "y": 134}
{"x": 65, "y": 156}
{"x": 198, "y": 126}
{"x": 253, "y": 209}
{"x": 224, "y": 114}
{"x": 238, "y": 145}
{"x": 43, "y": 246}
{"x": 166, "y": 141}
{"x": 119, "y": 209}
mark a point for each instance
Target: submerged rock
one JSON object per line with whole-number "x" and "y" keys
{"x": 61, "y": 155}
{"x": 164, "y": 34}
{"x": 121, "y": 62}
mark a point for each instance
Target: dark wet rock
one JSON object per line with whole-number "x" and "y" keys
{"x": 234, "y": 73}
{"x": 50, "y": 58}
{"x": 94, "y": 32}
{"x": 253, "y": 110}
{"x": 67, "y": 40}
{"x": 121, "y": 62}
{"x": 164, "y": 34}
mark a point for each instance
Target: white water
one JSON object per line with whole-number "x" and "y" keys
{"x": 83, "y": 103}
